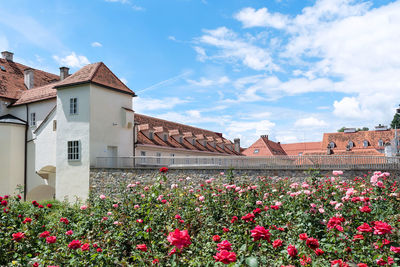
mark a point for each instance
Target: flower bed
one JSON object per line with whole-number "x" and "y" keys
{"x": 321, "y": 222}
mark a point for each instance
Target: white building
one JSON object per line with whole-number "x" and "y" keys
{"x": 52, "y": 127}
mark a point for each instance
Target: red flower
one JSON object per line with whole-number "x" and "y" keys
{"x": 172, "y": 252}
{"x": 163, "y": 169}
{"x": 362, "y": 265}
{"x": 18, "y": 236}
{"x": 260, "y": 232}
{"x": 141, "y": 247}
{"x": 34, "y": 203}
{"x": 277, "y": 243}
{"x": 381, "y": 228}
{"x": 248, "y": 217}
{"x": 234, "y": 219}
{"x": 155, "y": 261}
{"x": 225, "y": 257}
{"x": 319, "y": 252}
{"x": 99, "y": 250}
{"x": 382, "y": 262}
{"x": 27, "y": 220}
{"x": 51, "y": 239}
{"x": 85, "y": 247}
{"x": 364, "y": 228}
{"x": 75, "y": 244}
{"x": 274, "y": 207}
{"x": 335, "y": 222}
{"x": 216, "y": 238}
{"x": 395, "y": 249}
{"x": 358, "y": 237}
{"x": 49, "y": 205}
{"x": 69, "y": 232}
{"x": 339, "y": 263}
{"x": 224, "y": 245}
{"x": 179, "y": 239}
{"x": 303, "y": 236}
{"x": 35, "y": 264}
{"x": 292, "y": 251}
{"x": 225, "y": 229}
{"x": 44, "y": 234}
{"x": 4, "y": 203}
{"x": 256, "y": 211}
{"x": 64, "y": 220}
{"x": 365, "y": 209}
{"x": 312, "y": 243}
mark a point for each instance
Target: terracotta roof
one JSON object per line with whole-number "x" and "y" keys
{"x": 361, "y": 152}
{"x": 264, "y": 147}
{"x": 37, "y": 94}
{"x": 342, "y": 139}
{"x": 12, "y": 79}
{"x": 172, "y": 129}
{"x": 296, "y": 148}
{"x": 97, "y": 73}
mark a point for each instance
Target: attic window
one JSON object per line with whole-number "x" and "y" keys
{"x": 193, "y": 141}
{"x": 365, "y": 143}
{"x": 256, "y": 151}
{"x": 180, "y": 139}
{"x": 2, "y": 68}
{"x": 151, "y": 135}
{"x": 350, "y": 144}
{"x": 165, "y": 137}
{"x": 332, "y": 145}
{"x": 380, "y": 142}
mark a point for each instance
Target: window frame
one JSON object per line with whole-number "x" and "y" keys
{"x": 73, "y": 106}
{"x": 380, "y": 142}
{"x": 256, "y": 151}
{"x": 365, "y": 143}
{"x": 74, "y": 150}
{"x": 32, "y": 119}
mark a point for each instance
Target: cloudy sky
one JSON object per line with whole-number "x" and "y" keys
{"x": 287, "y": 68}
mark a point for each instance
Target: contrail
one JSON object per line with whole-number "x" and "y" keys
{"x": 165, "y": 81}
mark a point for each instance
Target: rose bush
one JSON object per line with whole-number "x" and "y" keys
{"x": 269, "y": 222}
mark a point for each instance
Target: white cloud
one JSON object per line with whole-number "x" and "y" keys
{"x": 248, "y": 131}
{"x": 124, "y": 80}
{"x": 234, "y": 49}
{"x": 96, "y": 44}
{"x": 310, "y": 122}
{"x": 261, "y": 18}
{"x": 150, "y": 104}
{"x": 73, "y": 60}
{"x": 204, "y": 82}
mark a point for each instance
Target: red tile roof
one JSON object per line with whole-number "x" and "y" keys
{"x": 264, "y": 147}
{"x": 37, "y": 94}
{"x": 172, "y": 128}
{"x": 12, "y": 79}
{"x": 295, "y": 149}
{"x": 97, "y": 73}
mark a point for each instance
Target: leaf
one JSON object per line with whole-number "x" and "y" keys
{"x": 243, "y": 247}
{"x": 252, "y": 261}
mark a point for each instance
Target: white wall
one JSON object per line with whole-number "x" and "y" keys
{"x": 108, "y": 123}
{"x": 12, "y": 152}
{"x": 72, "y": 177}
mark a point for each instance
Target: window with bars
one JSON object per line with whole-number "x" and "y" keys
{"x": 74, "y": 153}
{"x": 158, "y": 158}
{"x": 73, "y": 106}
{"x": 32, "y": 119}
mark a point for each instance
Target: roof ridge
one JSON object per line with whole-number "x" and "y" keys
{"x": 95, "y": 71}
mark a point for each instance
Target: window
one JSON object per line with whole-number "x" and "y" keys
{"x": 73, "y": 106}
{"x": 365, "y": 143}
{"x": 74, "y": 153}
{"x": 350, "y": 144}
{"x": 380, "y": 142}
{"x": 32, "y": 119}
{"x": 180, "y": 139}
{"x": 151, "y": 135}
{"x": 143, "y": 155}
{"x": 165, "y": 137}
{"x": 193, "y": 141}
{"x": 256, "y": 151}
{"x": 332, "y": 145}
{"x": 172, "y": 158}
{"x": 158, "y": 158}
{"x": 300, "y": 153}
{"x": 54, "y": 125}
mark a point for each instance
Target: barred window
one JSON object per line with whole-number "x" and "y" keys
{"x": 158, "y": 158}
{"x": 74, "y": 152}
{"x": 32, "y": 121}
{"x": 73, "y": 106}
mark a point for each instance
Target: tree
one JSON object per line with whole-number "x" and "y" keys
{"x": 362, "y": 129}
{"x": 396, "y": 121}
{"x": 341, "y": 130}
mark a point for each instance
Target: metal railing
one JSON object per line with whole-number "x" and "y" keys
{"x": 241, "y": 162}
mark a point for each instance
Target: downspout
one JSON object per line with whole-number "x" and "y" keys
{"x": 26, "y": 153}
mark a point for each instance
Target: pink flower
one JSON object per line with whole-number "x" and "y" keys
{"x": 381, "y": 228}
{"x": 260, "y": 232}
{"x": 83, "y": 207}
{"x": 115, "y": 205}
{"x": 336, "y": 173}
{"x": 224, "y": 245}
{"x": 141, "y": 247}
{"x": 395, "y": 249}
{"x": 69, "y": 232}
{"x": 277, "y": 243}
{"x": 201, "y": 198}
{"x": 258, "y": 202}
{"x": 179, "y": 239}
{"x": 85, "y": 247}
{"x": 136, "y": 206}
{"x": 303, "y": 236}
{"x": 102, "y": 196}
{"x": 364, "y": 228}
{"x": 225, "y": 257}
{"x": 51, "y": 239}
{"x": 292, "y": 251}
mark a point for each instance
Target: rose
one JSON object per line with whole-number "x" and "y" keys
{"x": 303, "y": 236}
{"x": 64, "y": 220}
{"x": 18, "y": 236}
{"x": 277, "y": 243}
{"x": 85, "y": 247}
{"x": 44, "y": 234}
{"x": 83, "y": 207}
{"x": 234, "y": 219}
{"x": 312, "y": 243}
{"x": 216, "y": 238}
{"x": 395, "y": 249}
{"x": 102, "y": 196}
{"x": 75, "y": 244}
{"x": 163, "y": 169}
{"x": 179, "y": 239}
{"x": 365, "y": 209}
{"x": 224, "y": 245}
{"x": 260, "y": 232}
{"x": 292, "y": 251}
{"x": 381, "y": 228}
{"x": 336, "y": 173}
{"x": 225, "y": 257}
{"x": 319, "y": 252}
{"x": 364, "y": 228}
{"x": 141, "y": 247}
{"x": 248, "y": 217}
{"x": 51, "y": 239}
{"x": 69, "y": 232}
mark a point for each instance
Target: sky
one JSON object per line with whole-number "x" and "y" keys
{"x": 285, "y": 68}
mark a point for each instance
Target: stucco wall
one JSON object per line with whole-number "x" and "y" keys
{"x": 12, "y": 151}
{"x": 72, "y": 176}
{"x": 106, "y": 123}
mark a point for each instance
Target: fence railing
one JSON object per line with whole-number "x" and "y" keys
{"x": 241, "y": 162}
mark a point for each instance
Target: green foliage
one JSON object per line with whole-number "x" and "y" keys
{"x": 396, "y": 121}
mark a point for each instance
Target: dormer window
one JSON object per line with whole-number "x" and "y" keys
{"x": 256, "y": 151}
{"x": 193, "y": 141}
{"x": 380, "y": 142}
{"x": 180, "y": 140}
{"x": 165, "y": 137}
{"x": 365, "y": 143}
{"x": 332, "y": 145}
{"x": 350, "y": 144}
{"x": 151, "y": 135}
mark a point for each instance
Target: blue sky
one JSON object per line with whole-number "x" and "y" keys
{"x": 290, "y": 69}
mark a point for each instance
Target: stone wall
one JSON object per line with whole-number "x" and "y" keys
{"x": 107, "y": 181}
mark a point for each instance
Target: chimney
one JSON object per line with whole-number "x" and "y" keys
{"x": 264, "y": 136}
{"x": 64, "y": 73}
{"x": 237, "y": 144}
{"x": 7, "y": 55}
{"x": 28, "y": 78}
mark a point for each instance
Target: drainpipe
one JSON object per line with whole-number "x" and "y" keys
{"x": 26, "y": 153}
